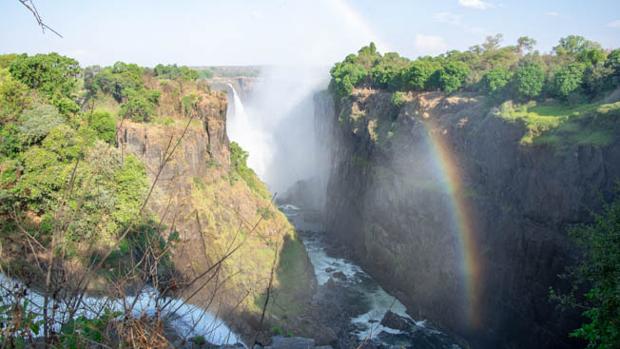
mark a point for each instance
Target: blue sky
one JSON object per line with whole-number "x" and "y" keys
{"x": 211, "y": 32}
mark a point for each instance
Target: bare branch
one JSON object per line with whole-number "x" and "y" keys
{"x": 29, "y": 4}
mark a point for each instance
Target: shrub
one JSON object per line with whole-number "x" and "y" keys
{"x": 139, "y": 106}
{"x": 416, "y": 77}
{"x": 14, "y": 97}
{"x": 36, "y": 123}
{"x": 495, "y": 80}
{"x": 567, "y": 80}
{"x": 451, "y": 76}
{"x": 529, "y": 79}
{"x": 104, "y": 124}
{"x": 399, "y": 98}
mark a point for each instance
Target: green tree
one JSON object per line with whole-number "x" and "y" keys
{"x": 416, "y": 77}
{"x": 139, "y": 106}
{"x": 613, "y": 64}
{"x": 118, "y": 79}
{"x": 600, "y": 271}
{"x": 104, "y": 124}
{"x": 495, "y": 80}
{"x": 451, "y": 76}
{"x": 529, "y": 79}
{"x": 567, "y": 80}
{"x": 36, "y": 123}
{"x": 574, "y": 46}
{"x": 346, "y": 75}
{"x": 52, "y": 74}
{"x": 387, "y": 72}
{"x": 14, "y": 97}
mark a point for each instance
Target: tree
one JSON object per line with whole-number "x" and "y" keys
{"x": 578, "y": 48}
{"x": 492, "y": 42}
{"x": 525, "y": 44}
{"x": 495, "y": 80}
{"x": 346, "y": 75}
{"x": 613, "y": 64}
{"x": 13, "y": 97}
{"x": 529, "y": 79}
{"x": 139, "y": 105}
{"x": 387, "y": 72}
{"x": 104, "y": 124}
{"x": 416, "y": 77}
{"x": 599, "y": 270}
{"x": 52, "y": 74}
{"x": 36, "y": 123}
{"x": 568, "y": 79}
{"x": 451, "y": 76}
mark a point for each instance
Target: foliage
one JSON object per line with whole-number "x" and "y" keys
{"x": 399, "y": 98}
{"x": 174, "y": 72}
{"x": 104, "y": 124}
{"x": 386, "y": 73}
{"x": 117, "y": 80}
{"x": 576, "y": 70}
{"x": 568, "y": 79}
{"x": 495, "y": 80}
{"x": 52, "y": 74}
{"x": 140, "y": 105}
{"x": 451, "y": 76}
{"x": 529, "y": 79}
{"x": 346, "y": 75}
{"x": 417, "y": 75}
{"x": 14, "y": 97}
{"x": 599, "y": 270}
{"x": 240, "y": 169}
{"x": 36, "y": 123}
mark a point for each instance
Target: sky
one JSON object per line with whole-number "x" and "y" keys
{"x": 289, "y": 32}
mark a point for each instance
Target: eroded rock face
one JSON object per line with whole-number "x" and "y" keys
{"x": 393, "y": 201}
{"x": 215, "y": 214}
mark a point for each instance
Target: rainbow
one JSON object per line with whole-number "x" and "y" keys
{"x": 446, "y": 164}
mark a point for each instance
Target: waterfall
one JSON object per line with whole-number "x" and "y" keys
{"x": 275, "y": 125}
{"x": 249, "y": 134}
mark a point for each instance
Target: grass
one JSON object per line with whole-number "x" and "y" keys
{"x": 559, "y": 124}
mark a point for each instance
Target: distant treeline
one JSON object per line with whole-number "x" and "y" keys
{"x": 576, "y": 69}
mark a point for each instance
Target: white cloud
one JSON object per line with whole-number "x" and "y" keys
{"x": 552, "y": 14}
{"x": 476, "y": 4}
{"x": 430, "y": 44}
{"x": 447, "y": 17}
{"x": 614, "y": 24}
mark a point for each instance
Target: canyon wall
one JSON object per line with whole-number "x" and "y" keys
{"x": 477, "y": 257}
{"x": 216, "y": 213}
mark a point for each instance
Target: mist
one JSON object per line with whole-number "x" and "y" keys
{"x": 275, "y": 123}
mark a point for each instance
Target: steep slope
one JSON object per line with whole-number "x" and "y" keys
{"x": 217, "y": 213}
{"x": 439, "y": 198}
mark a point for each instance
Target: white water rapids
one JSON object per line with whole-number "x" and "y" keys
{"x": 187, "y": 320}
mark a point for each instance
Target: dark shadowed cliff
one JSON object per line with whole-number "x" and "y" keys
{"x": 442, "y": 201}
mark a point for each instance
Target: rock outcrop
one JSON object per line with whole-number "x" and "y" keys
{"x": 477, "y": 256}
{"x": 217, "y": 215}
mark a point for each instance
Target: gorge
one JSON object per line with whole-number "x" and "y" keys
{"x": 273, "y": 175}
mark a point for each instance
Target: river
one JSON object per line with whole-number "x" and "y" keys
{"x": 372, "y": 302}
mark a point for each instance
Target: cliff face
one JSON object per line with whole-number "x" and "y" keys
{"x": 216, "y": 213}
{"x": 477, "y": 256}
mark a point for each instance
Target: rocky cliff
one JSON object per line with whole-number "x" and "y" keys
{"x": 217, "y": 215}
{"x": 439, "y": 199}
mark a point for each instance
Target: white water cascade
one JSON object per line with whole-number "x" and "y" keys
{"x": 187, "y": 320}
{"x": 276, "y": 125}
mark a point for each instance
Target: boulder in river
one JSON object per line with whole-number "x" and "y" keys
{"x": 397, "y": 322}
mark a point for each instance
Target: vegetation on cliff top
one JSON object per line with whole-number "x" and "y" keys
{"x": 544, "y": 91}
